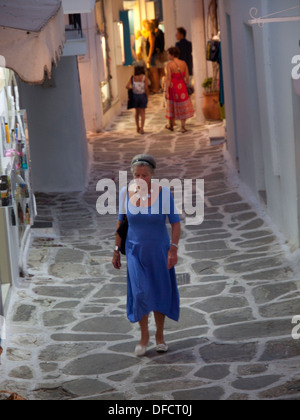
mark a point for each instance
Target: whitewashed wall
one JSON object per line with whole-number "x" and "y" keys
{"x": 57, "y": 134}
{"x": 261, "y": 105}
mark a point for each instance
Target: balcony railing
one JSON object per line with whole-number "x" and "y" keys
{"x": 74, "y": 24}
{"x": 75, "y": 39}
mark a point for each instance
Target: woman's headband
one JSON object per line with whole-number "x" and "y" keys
{"x": 143, "y": 160}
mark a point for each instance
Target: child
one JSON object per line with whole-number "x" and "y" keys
{"x": 139, "y": 84}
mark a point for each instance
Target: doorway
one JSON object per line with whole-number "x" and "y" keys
{"x": 254, "y": 114}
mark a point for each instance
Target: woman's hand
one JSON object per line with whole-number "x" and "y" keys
{"x": 172, "y": 257}
{"x": 117, "y": 260}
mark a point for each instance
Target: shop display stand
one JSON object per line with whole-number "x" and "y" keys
{"x": 15, "y": 166}
{"x": 17, "y": 203}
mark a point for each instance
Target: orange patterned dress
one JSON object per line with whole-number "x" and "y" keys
{"x": 179, "y": 105}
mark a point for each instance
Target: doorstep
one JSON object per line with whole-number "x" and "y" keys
{"x": 217, "y": 134}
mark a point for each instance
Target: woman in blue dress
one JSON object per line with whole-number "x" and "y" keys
{"x": 151, "y": 257}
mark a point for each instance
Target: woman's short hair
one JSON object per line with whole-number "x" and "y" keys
{"x": 143, "y": 160}
{"x": 174, "y": 51}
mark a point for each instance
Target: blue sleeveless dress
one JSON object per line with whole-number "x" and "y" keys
{"x": 151, "y": 286}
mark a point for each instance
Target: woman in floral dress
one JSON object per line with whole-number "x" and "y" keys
{"x": 179, "y": 104}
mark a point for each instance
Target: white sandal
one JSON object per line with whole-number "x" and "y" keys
{"x": 162, "y": 348}
{"x": 140, "y": 350}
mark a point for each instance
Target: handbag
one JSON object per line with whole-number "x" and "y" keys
{"x": 130, "y": 104}
{"x": 123, "y": 230}
{"x": 189, "y": 88}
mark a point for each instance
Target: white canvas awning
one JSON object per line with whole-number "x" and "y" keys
{"x": 32, "y": 36}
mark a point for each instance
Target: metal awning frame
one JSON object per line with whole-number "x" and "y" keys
{"x": 268, "y": 19}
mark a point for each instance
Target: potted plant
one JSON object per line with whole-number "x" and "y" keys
{"x": 211, "y": 108}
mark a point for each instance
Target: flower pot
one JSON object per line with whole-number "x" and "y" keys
{"x": 211, "y": 108}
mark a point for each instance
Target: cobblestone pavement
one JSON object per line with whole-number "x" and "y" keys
{"x": 68, "y": 335}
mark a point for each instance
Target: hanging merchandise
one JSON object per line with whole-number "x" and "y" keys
{"x": 24, "y": 161}
{"x": 7, "y": 133}
{"x": 27, "y": 215}
{"x": 20, "y": 214}
{"x": 213, "y": 43}
{"x": 13, "y": 218}
{"x": 4, "y": 190}
{"x": 212, "y": 50}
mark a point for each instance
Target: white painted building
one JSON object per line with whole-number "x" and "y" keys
{"x": 59, "y": 150}
{"x": 262, "y": 103}
{"x": 23, "y": 52}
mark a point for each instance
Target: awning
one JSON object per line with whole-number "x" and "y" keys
{"x": 32, "y": 36}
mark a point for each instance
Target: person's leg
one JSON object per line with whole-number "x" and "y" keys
{"x": 160, "y": 324}
{"x": 137, "y": 119}
{"x": 144, "y": 331}
{"x": 171, "y": 124}
{"x": 183, "y": 129}
{"x": 154, "y": 79}
{"x": 143, "y": 119}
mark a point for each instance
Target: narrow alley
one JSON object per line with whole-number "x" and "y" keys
{"x": 67, "y": 332}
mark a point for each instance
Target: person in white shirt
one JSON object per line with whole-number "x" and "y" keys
{"x": 139, "y": 84}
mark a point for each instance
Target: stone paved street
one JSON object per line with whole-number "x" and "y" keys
{"x": 68, "y": 335}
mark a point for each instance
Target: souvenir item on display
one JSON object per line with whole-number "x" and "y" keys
{"x": 212, "y": 50}
{"x": 27, "y": 215}
{"x": 4, "y": 190}
{"x": 13, "y": 218}
{"x": 7, "y": 133}
{"x": 20, "y": 214}
{"x": 3, "y": 135}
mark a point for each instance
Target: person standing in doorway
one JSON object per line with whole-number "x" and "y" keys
{"x": 152, "y": 57}
{"x": 160, "y": 49}
{"x": 186, "y": 50}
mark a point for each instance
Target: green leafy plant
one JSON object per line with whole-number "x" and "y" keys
{"x": 208, "y": 85}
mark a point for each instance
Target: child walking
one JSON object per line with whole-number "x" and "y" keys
{"x": 139, "y": 83}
